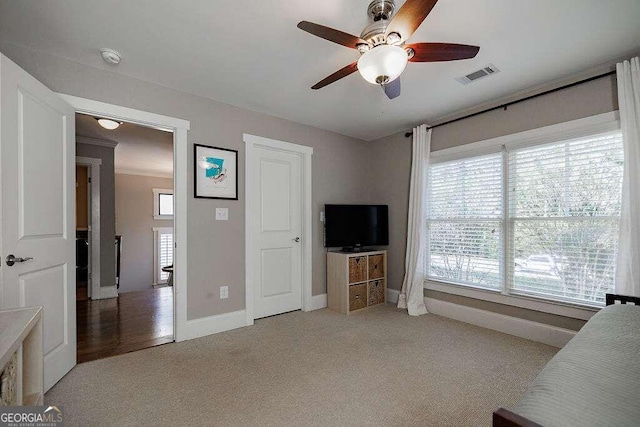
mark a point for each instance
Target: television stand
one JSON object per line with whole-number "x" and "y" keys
{"x": 357, "y": 280}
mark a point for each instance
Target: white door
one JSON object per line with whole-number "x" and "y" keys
{"x": 37, "y": 152}
{"x": 277, "y": 251}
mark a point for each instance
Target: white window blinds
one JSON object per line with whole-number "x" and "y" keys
{"x": 564, "y": 209}
{"x": 465, "y": 221}
{"x": 547, "y": 226}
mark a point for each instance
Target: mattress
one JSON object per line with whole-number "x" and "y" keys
{"x": 595, "y": 379}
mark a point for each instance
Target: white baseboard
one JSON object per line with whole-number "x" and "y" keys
{"x": 225, "y": 322}
{"x": 106, "y": 292}
{"x": 212, "y": 325}
{"x": 534, "y": 331}
{"x": 392, "y": 295}
{"x": 318, "y": 302}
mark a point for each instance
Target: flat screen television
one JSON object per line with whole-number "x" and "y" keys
{"x": 354, "y": 226}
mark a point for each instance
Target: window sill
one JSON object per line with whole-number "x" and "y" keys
{"x": 163, "y": 217}
{"x": 527, "y": 302}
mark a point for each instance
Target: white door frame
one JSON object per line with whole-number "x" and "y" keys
{"x": 180, "y": 179}
{"x": 251, "y": 143}
{"x": 94, "y": 224}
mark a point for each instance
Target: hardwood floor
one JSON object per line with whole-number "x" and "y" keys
{"x": 133, "y": 321}
{"x": 82, "y": 293}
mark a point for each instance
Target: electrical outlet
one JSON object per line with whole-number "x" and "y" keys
{"x": 224, "y": 292}
{"x": 222, "y": 214}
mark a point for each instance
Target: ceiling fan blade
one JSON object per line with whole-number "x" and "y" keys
{"x": 344, "y": 72}
{"x": 392, "y": 89}
{"x": 436, "y": 52}
{"x": 330, "y": 34}
{"x": 409, "y": 17}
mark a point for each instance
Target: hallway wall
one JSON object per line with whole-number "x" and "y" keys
{"x": 135, "y": 222}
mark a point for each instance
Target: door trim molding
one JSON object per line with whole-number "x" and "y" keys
{"x": 215, "y": 324}
{"x": 179, "y": 127}
{"x": 94, "y": 233}
{"x": 251, "y": 143}
{"x": 111, "y": 111}
{"x": 107, "y": 292}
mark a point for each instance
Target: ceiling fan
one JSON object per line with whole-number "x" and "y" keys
{"x": 382, "y": 44}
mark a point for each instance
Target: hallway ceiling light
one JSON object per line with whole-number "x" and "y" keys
{"x": 109, "y": 124}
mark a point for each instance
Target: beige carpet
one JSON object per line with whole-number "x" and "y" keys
{"x": 379, "y": 367}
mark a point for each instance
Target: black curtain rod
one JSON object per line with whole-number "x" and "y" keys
{"x": 408, "y": 134}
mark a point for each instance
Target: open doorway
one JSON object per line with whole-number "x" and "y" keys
{"x": 124, "y": 222}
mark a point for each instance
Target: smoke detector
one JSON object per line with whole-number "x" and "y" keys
{"x": 110, "y": 56}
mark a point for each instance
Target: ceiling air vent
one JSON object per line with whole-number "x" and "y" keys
{"x": 476, "y": 75}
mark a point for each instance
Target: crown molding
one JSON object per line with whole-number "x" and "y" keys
{"x": 95, "y": 141}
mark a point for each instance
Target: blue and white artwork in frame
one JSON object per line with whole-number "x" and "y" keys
{"x": 215, "y": 172}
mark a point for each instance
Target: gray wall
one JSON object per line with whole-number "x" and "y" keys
{"x": 135, "y": 222}
{"x": 595, "y": 97}
{"x": 510, "y": 310}
{"x": 341, "y": 165}
{"x": 393, "y": 155}
{"x": 392, "y": 187}
{"x": 340, "y": 169}
{"x": 107, "y": 209}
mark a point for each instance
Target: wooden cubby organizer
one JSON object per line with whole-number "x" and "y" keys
{"x": 356, "y": 280}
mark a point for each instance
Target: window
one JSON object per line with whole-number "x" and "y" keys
{"x": 537, "y": 220}
{"x": 564, "y": 217}
{"x": 163, "y": 253}
{"x": 465, "y": 215}
{"x": 162, "y": 204}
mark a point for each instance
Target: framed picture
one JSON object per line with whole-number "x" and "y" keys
{"x": 215, "y": 173}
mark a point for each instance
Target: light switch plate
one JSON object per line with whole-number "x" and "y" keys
{"x": 222, "y": 214}
{"x": 321, "y": 216}
{"x": 224, "y": 292}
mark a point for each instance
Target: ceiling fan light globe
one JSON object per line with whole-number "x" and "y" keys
{"x": 382, "y": 63}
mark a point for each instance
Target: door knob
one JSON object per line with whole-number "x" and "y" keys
{"x": 11, "y": 259}
{"x": 297, "y": 239}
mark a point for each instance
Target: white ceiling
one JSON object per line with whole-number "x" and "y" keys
{"x": 140, "y": 150}
{"x": 250, "y": 54}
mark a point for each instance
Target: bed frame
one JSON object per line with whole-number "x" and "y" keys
{"x": 505, "y": 418}
{"x": 612, "y": 299}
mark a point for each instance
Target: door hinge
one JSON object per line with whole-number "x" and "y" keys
{"x": 89, "y": 180}
{"x": 175, "y": 244}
